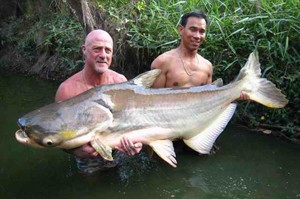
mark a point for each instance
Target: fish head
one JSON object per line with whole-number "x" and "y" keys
{"x": 62, "y": 125}
{"x": 36, "y": 134}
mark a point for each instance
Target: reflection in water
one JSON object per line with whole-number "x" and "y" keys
{"x": 248, "y": 165}
{"x": 199, "y": 182}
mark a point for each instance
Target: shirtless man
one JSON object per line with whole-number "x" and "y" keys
{"x": 98, "y": 52}
{"x": 183, "y": 66}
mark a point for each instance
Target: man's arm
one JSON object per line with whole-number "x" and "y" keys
{"x": 210, "y": 76}
{"x": 161, "y": 80}
{"x": 62, "y": 93}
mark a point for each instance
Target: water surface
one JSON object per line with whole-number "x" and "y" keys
{"x": 247, "y": 165}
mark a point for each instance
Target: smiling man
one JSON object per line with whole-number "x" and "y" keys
{"x": 98, "y": 52}
{"x": 183, "y": 66}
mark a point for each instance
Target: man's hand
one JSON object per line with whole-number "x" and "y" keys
{"x": 84, "y": 151}
{"x": 129, "y": 147}
{"x": 87, "y": 151}
{"x": 244, "y": 96}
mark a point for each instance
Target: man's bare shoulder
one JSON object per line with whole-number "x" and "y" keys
{"x": 73, "y": 79}
{"x": 117, "y": 77}
{"x": 163, "y": 60}
{"x": 67, "y": 88}
{"x": 205, "y": 62}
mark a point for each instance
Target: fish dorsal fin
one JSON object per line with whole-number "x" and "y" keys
{"x": 218, "y": 82}
{"x": 165, "y": 150}
{"x": 146, "y": 79}
{"x": 203, "y": 142}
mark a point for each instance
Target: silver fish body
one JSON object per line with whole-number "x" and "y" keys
{"x": 155, "y": 117}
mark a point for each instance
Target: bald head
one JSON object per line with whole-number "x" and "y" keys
{"x": 98, "y": 51}
{"x": 96, "y": 34}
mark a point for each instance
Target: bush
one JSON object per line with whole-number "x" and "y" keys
{"x": 236, "y": 29}
{"x": 55, "y": 34}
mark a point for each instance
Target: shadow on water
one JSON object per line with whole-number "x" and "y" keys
{"x": 247, "y": 165}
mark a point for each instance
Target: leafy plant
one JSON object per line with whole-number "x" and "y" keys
{"x": 55, "y": 34}
{"x": 236, "y": 28}
{"x": 146, "y": 28}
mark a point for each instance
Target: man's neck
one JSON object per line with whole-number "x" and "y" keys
{"x": 186, "y": 53}
{"x": 91, "y": 77}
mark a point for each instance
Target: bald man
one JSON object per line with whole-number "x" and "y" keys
{"x": 98, "y": 52}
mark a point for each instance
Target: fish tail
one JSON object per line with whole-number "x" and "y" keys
{"x": 260, "y": 89}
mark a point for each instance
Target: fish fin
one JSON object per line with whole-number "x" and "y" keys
{"x": 146, "y": 79}
{"x": 260, "y": 89}
{"x": 165, "y": 150}
{"x": 104, "y": 150}
{"x": 267, "y": 94}
{"x": 252, "y": 67}
{"x": 218, "y": 82}
{"x": 203, "y": 142}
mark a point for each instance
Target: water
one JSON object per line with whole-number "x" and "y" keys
{"x": 247, "y": 165}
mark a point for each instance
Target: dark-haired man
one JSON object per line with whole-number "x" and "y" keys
{"x": 183, "y": 66}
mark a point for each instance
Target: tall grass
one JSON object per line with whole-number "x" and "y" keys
{"x": 147, "y": 28}
{"x": 236, "y": 28}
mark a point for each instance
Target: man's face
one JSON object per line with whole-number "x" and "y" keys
{"x": 98, "y": 52}
{"x": 193, "y": 34}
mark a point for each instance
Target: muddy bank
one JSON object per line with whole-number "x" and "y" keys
{"x": 46, "y": 66}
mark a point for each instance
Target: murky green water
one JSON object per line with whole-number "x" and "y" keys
{"x": 248, "y": 165}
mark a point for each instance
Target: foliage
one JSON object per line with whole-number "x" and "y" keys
{"x": 54, "y": 34}
{"x": 149, "y": 27}
{"x": 236, "y": 28}
{"x": 271, "y": 29}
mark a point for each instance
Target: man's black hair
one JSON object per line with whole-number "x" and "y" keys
{"x": 198, "y": 14}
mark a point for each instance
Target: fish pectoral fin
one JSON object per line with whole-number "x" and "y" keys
{"x": 165, "y": 150}
{"x": 204, "y": 140}
{"x": 104, "y": 150}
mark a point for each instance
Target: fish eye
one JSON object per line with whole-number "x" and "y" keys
{"x": 48, "y": 142}
{"x": 51, "y": 141}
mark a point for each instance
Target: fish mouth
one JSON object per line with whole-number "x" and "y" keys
{"x": 23, "y": 138}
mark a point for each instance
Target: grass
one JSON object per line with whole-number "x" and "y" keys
{"x": 236, "y": 29}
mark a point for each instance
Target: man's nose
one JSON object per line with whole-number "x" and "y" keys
{"x": 102, "y": 54}
{"x": 197, "y": 35}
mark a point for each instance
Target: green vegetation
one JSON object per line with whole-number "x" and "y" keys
{"x": 147, "y": 28}
{"x": 54, "y": 34}
{"x": 236, "y": 28}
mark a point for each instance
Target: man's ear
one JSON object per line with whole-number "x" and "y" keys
{"x": 180, "y": 29}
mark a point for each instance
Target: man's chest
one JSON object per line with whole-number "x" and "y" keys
{"x": 180, "y": 78}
